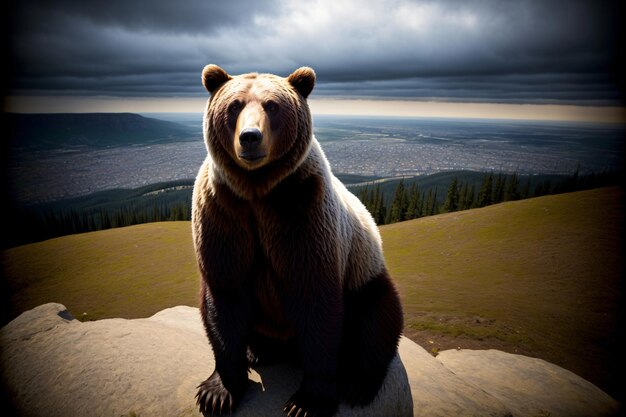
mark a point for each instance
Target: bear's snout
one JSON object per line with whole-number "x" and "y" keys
{"x": 250, "y": 148}
{"x": 250, "y": 138}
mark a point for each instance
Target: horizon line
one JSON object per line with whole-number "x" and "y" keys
{"x": 330, "y": 106}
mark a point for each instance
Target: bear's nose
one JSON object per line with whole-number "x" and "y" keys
{"x": 250, "y": 137}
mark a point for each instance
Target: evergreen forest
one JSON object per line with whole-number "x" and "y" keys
{"x": 389, "y": 201}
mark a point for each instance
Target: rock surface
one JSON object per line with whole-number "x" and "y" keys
{"x": 529, "y": 386}
{"x": 54, "y": 365}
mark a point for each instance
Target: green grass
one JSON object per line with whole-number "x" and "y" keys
{"x": 539, "y": 277}
{"x": 127, "y": 272}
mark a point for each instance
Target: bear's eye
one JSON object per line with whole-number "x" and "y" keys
{"x": 234, "y": 107}
{"x": 271, "y": 107}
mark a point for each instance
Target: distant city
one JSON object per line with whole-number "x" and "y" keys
{"x": 382, "y": 147}
{"x": 396, "y": 147}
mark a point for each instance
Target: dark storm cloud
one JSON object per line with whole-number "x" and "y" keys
{"x": 188, "y": 16}
{"x": 509, "y": 51}
{"x": 162, "y": 16}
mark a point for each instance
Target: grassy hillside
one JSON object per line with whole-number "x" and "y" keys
{"x": 539, "y": 277}
{"x": 125, "y": 272}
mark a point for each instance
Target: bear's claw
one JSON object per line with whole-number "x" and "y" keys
{"x": 214, "y": 398}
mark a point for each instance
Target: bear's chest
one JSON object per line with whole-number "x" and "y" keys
{"x": 270, "y": 318}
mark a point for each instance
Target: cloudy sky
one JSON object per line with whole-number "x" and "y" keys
{"x": 485, "y": 54}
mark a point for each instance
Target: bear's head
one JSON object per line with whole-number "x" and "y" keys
{"x": 257, "y": 127}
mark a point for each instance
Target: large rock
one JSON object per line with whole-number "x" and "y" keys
{"x": 58, "y": 366}
{"x": 437, "y": 391}
{"x": 54, "y": 365}
{"x": 529, "y": 386}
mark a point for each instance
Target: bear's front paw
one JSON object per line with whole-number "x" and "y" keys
{"x": 302, "y": 404}
{"x": 215, "y": 398}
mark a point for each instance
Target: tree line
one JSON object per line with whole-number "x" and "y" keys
{"x": 410, "y": 202}
{"x": 46, "y": 222}
{"x": 72, "y": 220}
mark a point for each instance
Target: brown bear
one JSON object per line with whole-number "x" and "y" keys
{"x": 291, "y": 261}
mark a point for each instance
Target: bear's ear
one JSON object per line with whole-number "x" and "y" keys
{"x": 213, "y": 77}
{"x": 303, "y": 80}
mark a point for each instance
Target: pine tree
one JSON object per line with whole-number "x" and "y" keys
{"x": 381, "y": 207}
{"x": 399, "y": 204}
{"x": 414, "y": 209}
{"x": 428, "y": 205}
{"x": 471, "y": 196}
{"x": 431, "y": 207}
{"x": 512, "y": 192}
{"x": 486, "y": 191}
{"x": 498, "y": 189}
{"x": 467, "y": 197}
{"x": 463, "y": 189}
{"x": 180, "y": 212}
{"x": 435, "y": 207}
{"x": 452, "y": 198}
{"x": 378, "y": 206}
{"x": 187, "y": 210}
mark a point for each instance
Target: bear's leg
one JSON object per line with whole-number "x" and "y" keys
{"x": 372, "y": 328}
{"x": 263, "y": 350}
{"x": 226, "y": 318}
{"x": 317, "y": 314}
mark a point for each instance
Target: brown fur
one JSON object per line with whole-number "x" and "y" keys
{"x": 252, "y": 92}
{"x": 284, "y": 249}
